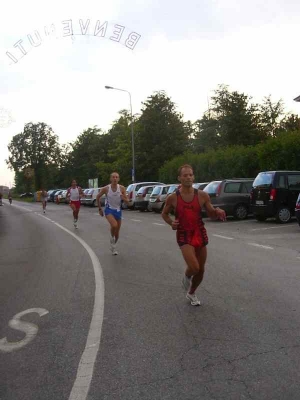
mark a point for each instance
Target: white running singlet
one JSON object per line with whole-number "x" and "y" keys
{"x": 74, "y": 194}
{"x": 113, "y": 199}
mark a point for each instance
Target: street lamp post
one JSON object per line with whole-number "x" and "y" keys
{"x": 132, "y": 137}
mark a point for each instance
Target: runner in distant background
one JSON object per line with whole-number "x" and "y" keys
{"x": 44, "y": 198}
{"x": 74, "y": 194}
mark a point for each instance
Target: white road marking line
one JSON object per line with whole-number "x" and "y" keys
{"x": 261, "y": 245}
{"x": 223, "y": 237}
{"x": 136, "y": 220}
{"x": 156, "y": 223}
{"x": 271, "y": 227}
{"x": 51, "y": 220}
{"x": 85, "y": 369}
{"x": 23, "y": 208}
{"x": 26, "y": 327}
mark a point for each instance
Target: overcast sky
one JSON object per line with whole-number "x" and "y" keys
{"x": 186, "y": 48}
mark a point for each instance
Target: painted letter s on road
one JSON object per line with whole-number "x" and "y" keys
{"x": 28, "y": 328}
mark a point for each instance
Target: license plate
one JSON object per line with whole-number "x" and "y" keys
{"x": 259, "y": 202}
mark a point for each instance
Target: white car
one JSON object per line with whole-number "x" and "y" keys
{"x": 91, "y": 197}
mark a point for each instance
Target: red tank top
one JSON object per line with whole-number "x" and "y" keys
{"x": 188, "y": 213}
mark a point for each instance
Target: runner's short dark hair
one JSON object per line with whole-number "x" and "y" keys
{"x": 184, "y": 166}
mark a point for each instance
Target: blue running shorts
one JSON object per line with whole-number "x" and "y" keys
{"x": 117, "y": 214}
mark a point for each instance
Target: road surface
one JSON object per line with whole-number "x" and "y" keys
{"x": 242, "y": 343}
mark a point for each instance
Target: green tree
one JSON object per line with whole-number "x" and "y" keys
{"x": 207, "y": 134}
{"x": 86, "y": 151}
{"x": 270, "y": 116}
{"x": 238, "y": 118}
{"x": 161, "y": 134}
{"x": 290, "y": 123}
{"x": 36, "y": 147}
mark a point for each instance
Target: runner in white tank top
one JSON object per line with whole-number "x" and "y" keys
{"x": 113, "y": 198}
{"x": 115, "y": 194}
{"x": 74, "y": 193}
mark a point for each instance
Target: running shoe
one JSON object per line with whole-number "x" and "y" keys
{"x": 112, "y": 243}
{"x": 44, "y": 212}
{"x": 114, "y": 251}
{"x": 186, "y": 282}
{"x": 193, "y": 299}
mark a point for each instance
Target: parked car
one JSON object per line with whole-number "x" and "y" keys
{"x": 158, "y": 197}
{"x": 62, "y": 197}
{"x": 49, "y": 194}
{"x": 142, "y": 197}
{"x": 275, "y": 194}
{"x": 172, "y": 188}
{"x": 56, "y": 196}
{"x": 200, "y": 186}
{"x": 91, "y": 197}
{"x": 297, "y": 209}
{"x": 232, "y": 195}
{"x": 83, "y": 199}
{"x": 26, "y": 195}
{"x": 132, "y": 190}
{"x": 51, "y": 198}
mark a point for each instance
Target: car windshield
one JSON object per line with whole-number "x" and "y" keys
{"x": 156, "y": 190}
{"x": 172, "y": 188}
{"x": 263, "y": 179}
{"x": 212, "y": 187}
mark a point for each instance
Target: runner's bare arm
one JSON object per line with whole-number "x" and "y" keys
{"x": 68, "y": 195}
{"x": 169, "y": 206}
{"x": 124, "y": 195}
{"x": 99, "y": 195}
{"x": 81, "y": 194}
{"x": 212, "y": 212}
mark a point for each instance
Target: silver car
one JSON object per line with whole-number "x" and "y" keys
{"x": 83, "y": 199}
{"x": 142, "y": 197}
{"x": 158, "y": 198}
{"x": 132, "y": 190}
{"x": 91, "y": 197}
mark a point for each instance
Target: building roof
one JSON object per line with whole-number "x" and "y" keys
{"x": 297, "y": 98}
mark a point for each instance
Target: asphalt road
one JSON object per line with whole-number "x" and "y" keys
{"x": 242, "y": 343}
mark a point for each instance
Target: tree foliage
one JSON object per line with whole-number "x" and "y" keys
{"x": 239, "y": 161}
{"x": 36, "y": 147}
{"x": 161, "y": 134}
{"x": 234, "y": 138}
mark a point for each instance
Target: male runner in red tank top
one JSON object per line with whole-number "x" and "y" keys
{"x": 191, "y": 234}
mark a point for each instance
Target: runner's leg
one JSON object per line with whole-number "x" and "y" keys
{"x": 191, "y": 260}
{"x": 117, "y": 233}
{"x": 73, "y": 209}
{"x": 201, "y": 255}
{"x": 76, "y": 212}
{"x": 113, "y": 224}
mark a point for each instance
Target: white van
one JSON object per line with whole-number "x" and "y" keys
{"x": 132, "y": 190}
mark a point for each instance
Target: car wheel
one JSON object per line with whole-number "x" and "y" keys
{"x": 283, "y": 215}
{"x": 260, "y": 218}
{"x": 240, "y": 212}
{"x": 94, "y": 203}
